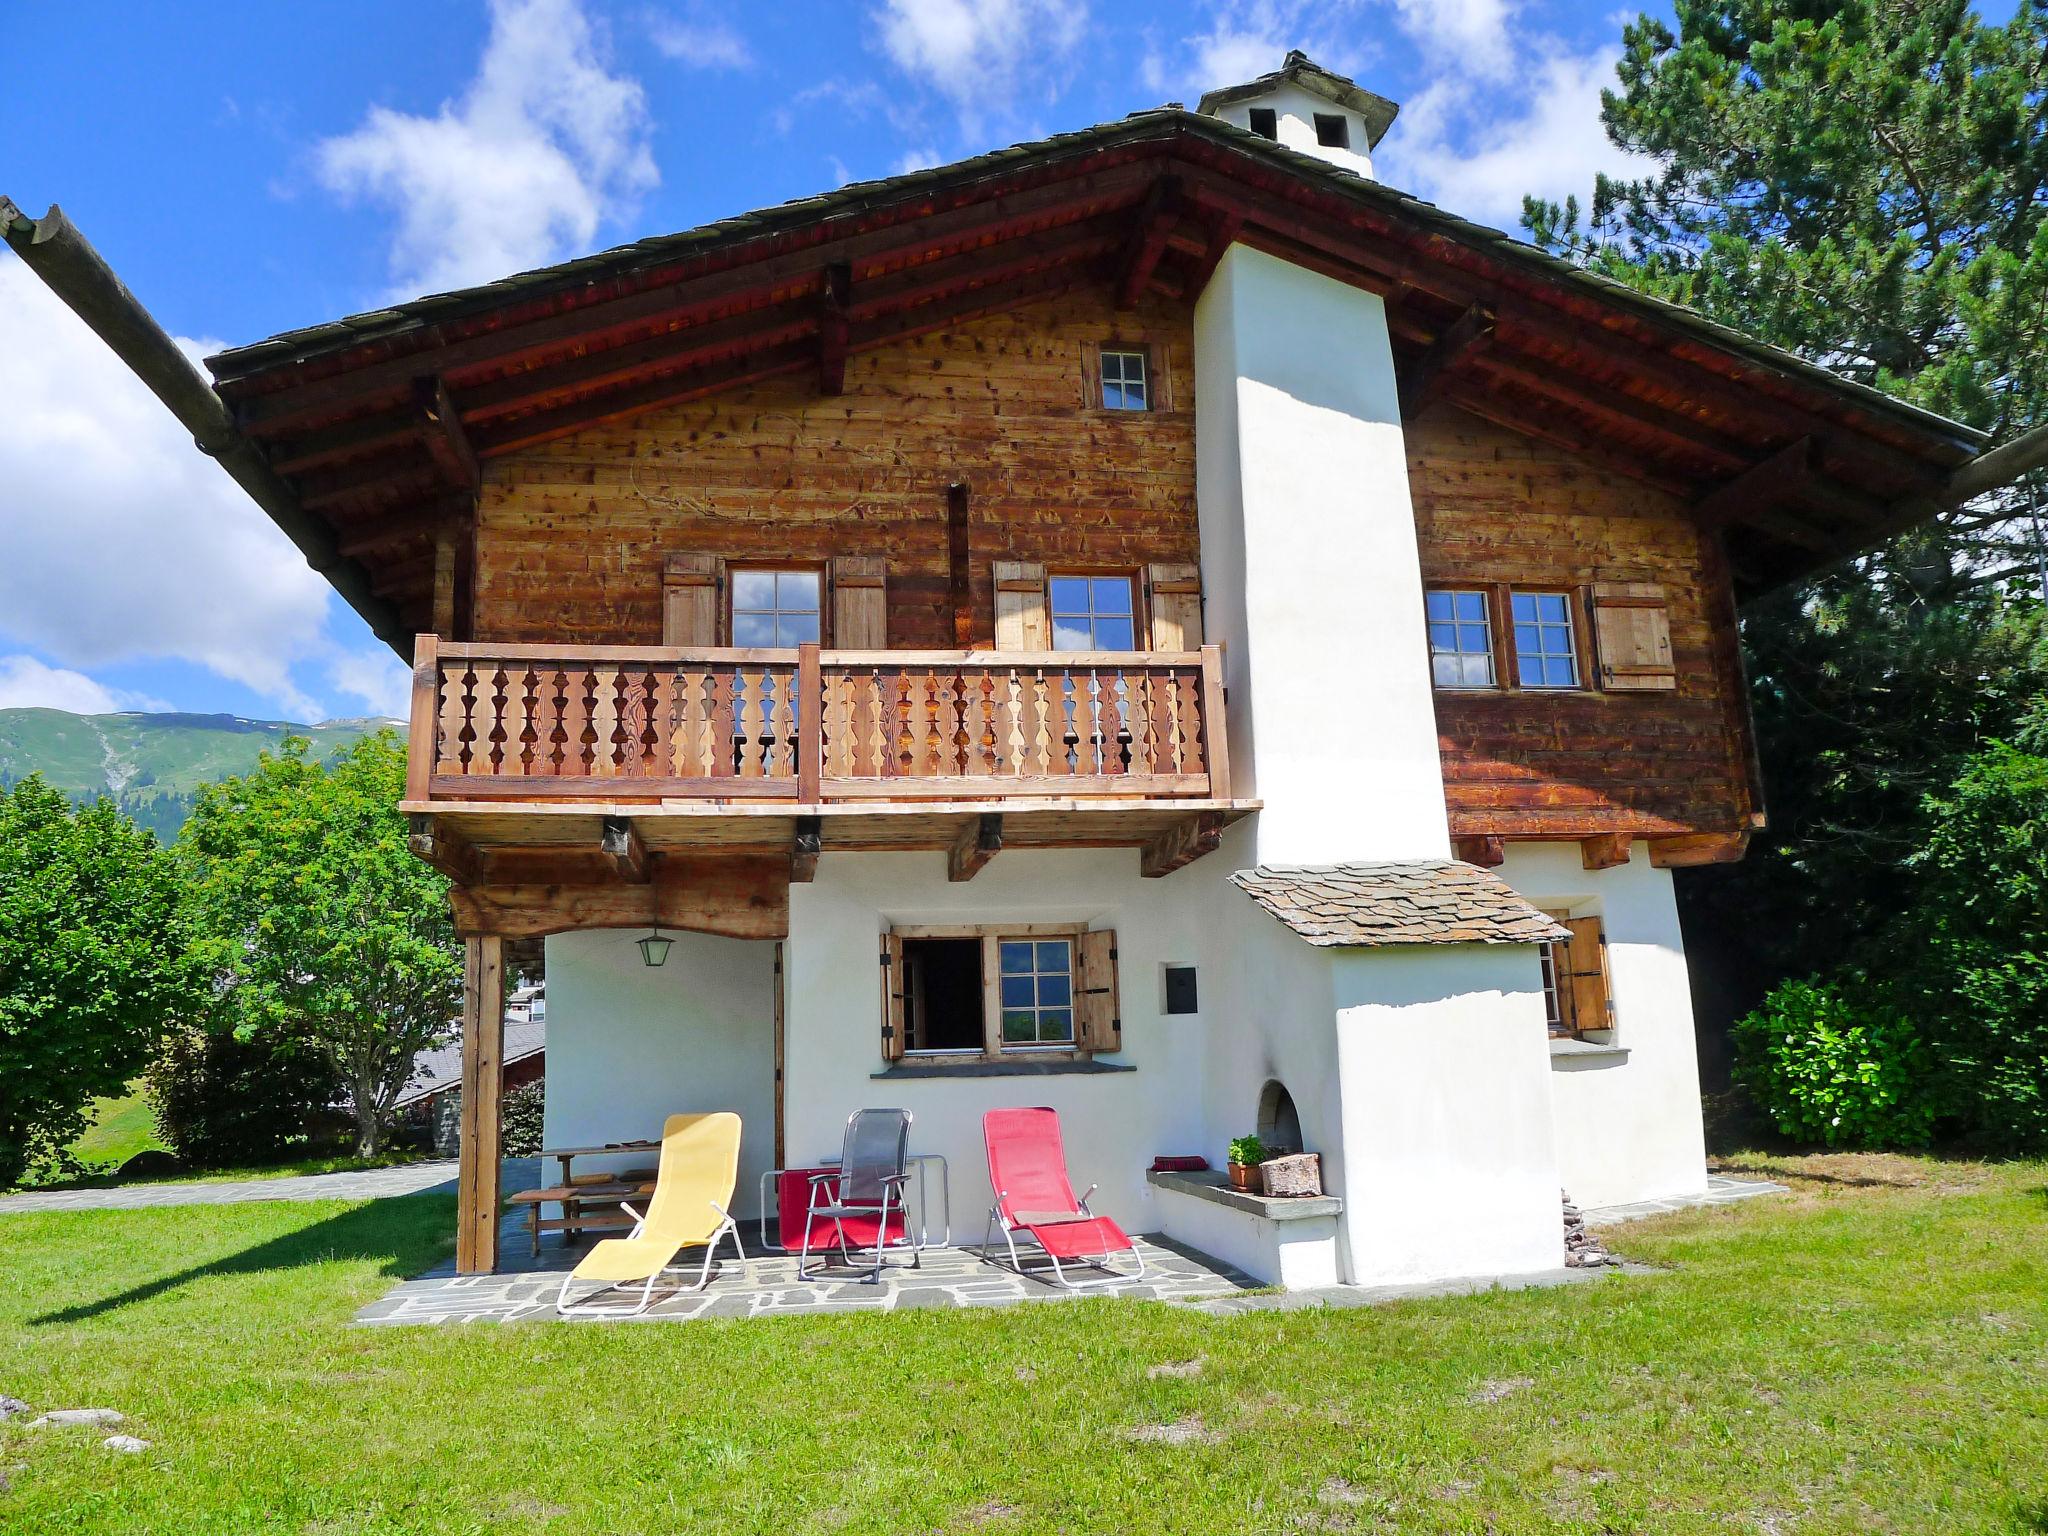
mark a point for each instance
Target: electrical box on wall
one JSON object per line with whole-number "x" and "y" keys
{"x": 1179, "y": 986}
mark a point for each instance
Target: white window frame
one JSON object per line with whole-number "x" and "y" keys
{"x": 1545, "y": 628}
{"x": 1039, "y": 1008}
{"x": 992, "y": 937}
{"x": 1123, "y": 358}
{"x": 1459, "y": 627}
{"x": 1054, "y": 613}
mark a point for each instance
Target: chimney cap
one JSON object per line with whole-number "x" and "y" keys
{"x": 1299, "y": 69}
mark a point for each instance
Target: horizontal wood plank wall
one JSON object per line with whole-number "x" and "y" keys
{"x": 1493, "y": 506}
{"x": 571, "y": 535}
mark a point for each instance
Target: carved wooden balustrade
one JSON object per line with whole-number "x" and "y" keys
{"x": 543, "y": 722}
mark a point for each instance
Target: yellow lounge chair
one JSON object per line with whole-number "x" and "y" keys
{"x": 700, "y": 1160}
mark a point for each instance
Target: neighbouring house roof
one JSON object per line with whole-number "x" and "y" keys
{"x": 438, "y": 1070}
{"x": 1800, "y": 465}
{"x": 1427, "y": 901}
{"x": 1299, "y": 69}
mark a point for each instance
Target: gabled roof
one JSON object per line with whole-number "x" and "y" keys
{"x": 1425, "y": 901}
{"x": 1299, "y": 69}
{"x": 439, "y": 1068}
{"x": 379, "y": 420}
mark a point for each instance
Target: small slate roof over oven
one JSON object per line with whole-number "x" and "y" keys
{"x": 1426, "y": 901}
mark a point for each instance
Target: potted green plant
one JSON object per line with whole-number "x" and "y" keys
{"x": 1246, "y": 1153}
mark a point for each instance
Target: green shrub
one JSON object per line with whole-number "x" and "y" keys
{"x": 222, "y": 1101}
{"x": 1248, "y": 1150}
{"x": 519, "y": 1113}
{"x": 1830, "y": 1068}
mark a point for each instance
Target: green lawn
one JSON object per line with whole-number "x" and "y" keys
{"x": 1870, "y": 1354}
{"x": 119, "y": 1128}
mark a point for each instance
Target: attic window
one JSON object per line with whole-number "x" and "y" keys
{"x": 1333, "y": 130}
{"x": 1265, "y": 123}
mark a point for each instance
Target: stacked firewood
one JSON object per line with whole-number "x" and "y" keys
{"x": 1582, "y": 1250}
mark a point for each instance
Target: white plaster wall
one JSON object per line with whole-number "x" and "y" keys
{"x": 1446, "y": 1113}
{"x": 1309, "y": 556}
{"x": 1628, "y": 1128}
{"x": 1114, "y": 1123}
{"x": 631, "y": 1044}
{"x": 1297, "y": 1255}
{"x": 1295, "y": 124}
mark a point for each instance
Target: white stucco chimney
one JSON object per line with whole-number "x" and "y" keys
{"x": 1307, "y": 108}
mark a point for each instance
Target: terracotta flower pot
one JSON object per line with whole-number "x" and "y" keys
{"x": 1245, "y": 1177}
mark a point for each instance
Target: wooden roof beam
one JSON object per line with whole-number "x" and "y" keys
{"x": 1224, "y": 227}
{"x": 834, "y": 294}
{"x": 440, "y": 428}
{"x": 1767, "y": 483}
{"x": 371, "y": 534}
{"x": 619, "y": 840}
{"x": 1146, "y": 242}
{"x": 1456, "y": 344}
{"x": 1181, "y": 844}
{"x": 979, "y": 841}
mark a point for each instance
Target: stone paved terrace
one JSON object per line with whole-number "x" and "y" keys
{"x": 1721, "y": 1190}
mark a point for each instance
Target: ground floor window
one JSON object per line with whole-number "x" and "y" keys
{"x": 1577, "y": 998}
{"x": 999, "y": 990}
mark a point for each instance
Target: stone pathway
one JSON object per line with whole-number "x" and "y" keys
{"x": 1721, "y": 1190}
{"x": 768, "y": 1287}
{"x": 364, "y": 1184}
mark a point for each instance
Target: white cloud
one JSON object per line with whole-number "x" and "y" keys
{"x": 700, "y": 40}
{"x": 1471, "y": 36}
{"x": 989, "y": 59}
{"x": 543, "y": 147}
{"x": 915, "y": 160}
{"x": 1470, "y": 151}
{"x": 118, "y": 539}
{"x": 1249, "y": 38}
{"x": 26, "y": 683}
{"x": 378, "y": 678}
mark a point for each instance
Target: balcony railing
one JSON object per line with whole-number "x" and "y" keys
{"x": 544, "y": 722}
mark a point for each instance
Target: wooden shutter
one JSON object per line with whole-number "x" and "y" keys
{"x": 893, "y": 983}
{"x": 1582, "y": 975}
{"x": 860, "y": 612}
{"x": 1176, "y": 595}
{"x": 1023, "y": 622}
{"x": 1098, "y": 1022}
{"x": 691, "y": 589}
{"x": 1632, "y": 636}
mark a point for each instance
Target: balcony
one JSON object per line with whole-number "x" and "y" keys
{"x": 514, "y": 747}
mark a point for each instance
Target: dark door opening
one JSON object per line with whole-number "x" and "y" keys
{"x": 942, "y": 996}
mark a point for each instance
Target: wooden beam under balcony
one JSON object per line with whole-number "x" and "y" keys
{"x": 444, "y": 850}
{"x": 623, "y": 849}
{"x": 1486, "y": 851}
{"x": 1181, "y": 844}
{"x": 805, "y": 848}
{"x": 1607, "y": 850}
{"x": 979, "y": 841}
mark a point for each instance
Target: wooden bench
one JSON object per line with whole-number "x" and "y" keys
{"x": 592, "y": 1207}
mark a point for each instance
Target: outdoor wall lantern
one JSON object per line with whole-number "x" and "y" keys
{"x": 654, "y": 948}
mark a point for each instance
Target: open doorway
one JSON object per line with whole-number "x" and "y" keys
{"x": 942, "y": 997}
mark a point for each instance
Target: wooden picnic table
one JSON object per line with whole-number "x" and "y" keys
{"x": 589, "y": 1205}
{"x": 566, "y": 1156}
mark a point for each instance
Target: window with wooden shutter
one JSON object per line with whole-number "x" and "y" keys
{"x": 860, "y": 614}
{"x": 1632, "y": 636}
{"x": 1582, "y": 976}
{"x": 1176, "y": 595}
{"x": 1022, "y": 619}
{"x": 1097, "y": 1017}
{"x": 892, "y": 997}
{"x": 691, "y": 599}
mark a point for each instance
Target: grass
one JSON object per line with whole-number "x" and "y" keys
{"x": 119, "y": 1128}
{"x": 1870, "y": 1354}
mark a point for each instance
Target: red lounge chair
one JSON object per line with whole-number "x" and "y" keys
{"x": 1027, "y": 1168}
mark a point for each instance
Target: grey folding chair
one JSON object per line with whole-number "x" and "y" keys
{"x": 860, "y": 1205}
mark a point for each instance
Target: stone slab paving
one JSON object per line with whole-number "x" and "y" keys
{"x": 363, "y": 1184}
{"x": 1721, "y": 1190}
{"x": 769, "y": 1287}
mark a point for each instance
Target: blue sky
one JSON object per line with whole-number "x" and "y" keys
{"x": 248, "y": 168}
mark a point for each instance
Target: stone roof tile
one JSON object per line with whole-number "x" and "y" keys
{"x": 1423, "y": 901}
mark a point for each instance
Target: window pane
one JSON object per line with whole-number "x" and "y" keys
{"x": 1019, "y": 1028}
{"x": 1056, "y": 1025}
{"x": 796, "y": 589}
{"x": 1052, "y": 956}
{"x": 1443, "y": 637}
{"x": 798, "y": 629}
{"x": 1053, "y": 991}
{"x": 1477, "y": 671}
{"x": 1112, "y": 594}
{"x": 1070, "y": 635}
{"x": 1437, "y": 604}
{"x": 1017, "y": 992}
{"x": 1550, "y": 607}
{"x": 1524, "y": 606}
{"x": 1114, "y": 635}
{"x": 1444, "y": 671}
{"x": 1069, "y": 594}
{"x": 1557, "y": 672}
{"x": 1016, "y": 958}
{"x": 753, "y": 589}
{"x": 753, "y": 629}
{"x": 1471, "y": 605}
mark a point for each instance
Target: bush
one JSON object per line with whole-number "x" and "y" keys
{"x": 519, "y": 1115}
{"x": 221, "y": 1101}
{"x": 1836, "y": 1069}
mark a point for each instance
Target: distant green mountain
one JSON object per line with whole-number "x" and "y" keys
{"x": 152, "y": 766}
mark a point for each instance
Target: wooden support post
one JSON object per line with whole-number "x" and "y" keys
{"x": 420, "y": 744}
{"x": 1608, "y": 850}
{"x": 441, "y": 430}
{"x": 620, "y": 840}
{"x": 979, "y": 841}
{"x": 444, "y": 581}
{"x": 435, "y": 845}
{"x": 1486, "y": 850}
{"x": 1180, "y": 845}
{"x": 804, "y": 851}
{"x": 483, "y": 1077}
{"x": 810, "y": 724}
{"x": 1215, "y": 728}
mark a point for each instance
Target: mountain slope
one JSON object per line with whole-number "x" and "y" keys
{"x": 151, "y": 765}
